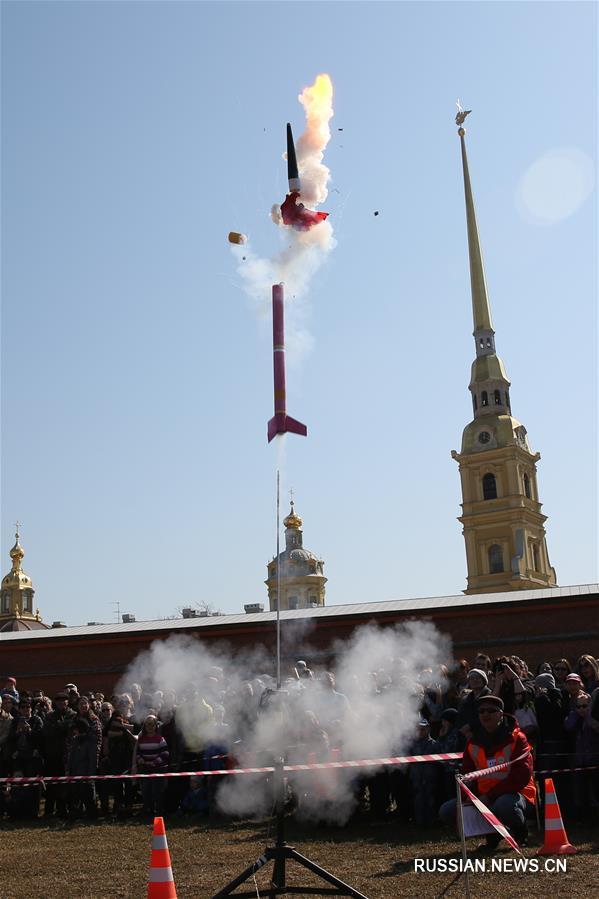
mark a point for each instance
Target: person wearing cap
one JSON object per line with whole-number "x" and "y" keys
{"x": 424, "y": 776}
{"x": 478, "y": 685}
{"x": 302, "y": 669}
{"x": 55, "y": 734}
{"x": 10, "y": 686}
{"x": 498, "y": 739}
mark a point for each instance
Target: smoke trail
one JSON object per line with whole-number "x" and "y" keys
{"x": 304, "y": 251}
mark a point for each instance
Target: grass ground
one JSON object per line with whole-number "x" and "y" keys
{"x": 106, "y": 860}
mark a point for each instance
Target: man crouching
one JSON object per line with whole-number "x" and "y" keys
{"x": 496, "y": 740}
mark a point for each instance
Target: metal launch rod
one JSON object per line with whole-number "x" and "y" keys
{"x": 278, "y": 589}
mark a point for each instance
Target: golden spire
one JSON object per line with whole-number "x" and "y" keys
{"x": 17, "y": 552}
{"x": 481, "y": 310}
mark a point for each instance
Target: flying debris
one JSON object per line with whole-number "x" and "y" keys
{"x": 280, "y": 422}
{"x": 237, "y": 237}
{"x": 376, "y": 212}
{"x": 293, "y": 212}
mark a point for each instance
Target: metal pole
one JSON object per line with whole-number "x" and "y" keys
{"x": 278, "y": 592}
{"x": 460, "y": 816}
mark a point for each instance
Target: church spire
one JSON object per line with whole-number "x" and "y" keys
{"x": 481, "y": 310}
{"x": 501, "y": 512}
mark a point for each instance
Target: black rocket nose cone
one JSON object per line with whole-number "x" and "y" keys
{"x": 291, "y": 158}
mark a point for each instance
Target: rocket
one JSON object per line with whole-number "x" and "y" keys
{"x": 280, "y": 423}
{"x": 292, "y": 169}
{"x": 292, "y": 210}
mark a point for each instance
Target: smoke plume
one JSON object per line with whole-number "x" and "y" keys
{"x": 367, "y": 703}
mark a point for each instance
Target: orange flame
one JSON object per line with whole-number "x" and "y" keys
{"x": 318, "y": 98}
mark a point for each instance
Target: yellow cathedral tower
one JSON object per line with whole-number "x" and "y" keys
{"x": 503, "y": 524}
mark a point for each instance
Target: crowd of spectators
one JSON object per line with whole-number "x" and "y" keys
{"x": 209, "y": 725}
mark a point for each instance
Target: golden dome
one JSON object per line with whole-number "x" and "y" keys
{"x": 17, "y": 552}
{"x": 292, "y": 520}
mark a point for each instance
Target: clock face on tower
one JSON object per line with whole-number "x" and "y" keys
{"x": 484, "y": 437}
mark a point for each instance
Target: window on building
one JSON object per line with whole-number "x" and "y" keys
{"x": 526, "y": 480}
{"x": 535, "y": 557}
{"x": 474, "y": 402}
{"x": 484, "y": 398}
{"x": 507, "y": 400}
{"x": 495, "y": 559}
{"x": 489, "y": 486}
{"x": 489, "y": 342}
{"x": 293, "y": 602}
{"x": 6, "y": 601}
{"x": 27, "y": 601}
{"x": 497, "y": 396}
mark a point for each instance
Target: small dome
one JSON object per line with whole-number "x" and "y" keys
{"x": 292, "y": 520}
{"x": 17, "y": 552}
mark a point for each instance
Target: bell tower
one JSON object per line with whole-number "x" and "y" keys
{"x": 503, "y": 525}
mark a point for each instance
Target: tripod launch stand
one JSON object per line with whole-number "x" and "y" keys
{"x": 280, "y": 853}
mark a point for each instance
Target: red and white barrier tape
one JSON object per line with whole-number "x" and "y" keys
{"x": 489, "y": 816}
{"x": 316, "y": 766}
{"x": 567, "y": 770}
{"x": 484, "y": 772}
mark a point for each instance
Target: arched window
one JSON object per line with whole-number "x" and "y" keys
{"x": 497, "y": 396}
{"x": 293, "y": 602}
{"x": 6, "y": 601}
{"x": 484, "y": 398}
{"x": 27, "y": 600}
{"x": 495, "y": 559}
{"x": 507, "y": 400}
{"x": 489, "y": 486}
{"x": 526, "y": 480}
{"x": 535, "y": 557}
{"x": 474, "y": 402}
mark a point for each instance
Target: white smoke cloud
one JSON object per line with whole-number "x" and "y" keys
{"x": 381, "y": 672}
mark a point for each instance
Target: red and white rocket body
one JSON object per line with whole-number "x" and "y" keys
{"x": 280, "y": 423}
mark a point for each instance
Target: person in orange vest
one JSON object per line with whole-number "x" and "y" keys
{"x": 498, "y": 739}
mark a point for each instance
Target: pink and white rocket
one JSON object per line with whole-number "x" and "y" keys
{"x": 280, "y": 423}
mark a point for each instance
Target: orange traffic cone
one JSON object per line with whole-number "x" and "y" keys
{"x": 556, "y": 839}
{"x": 160, "y": 882}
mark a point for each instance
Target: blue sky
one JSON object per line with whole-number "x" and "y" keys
{"x": 136, "y": 377}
